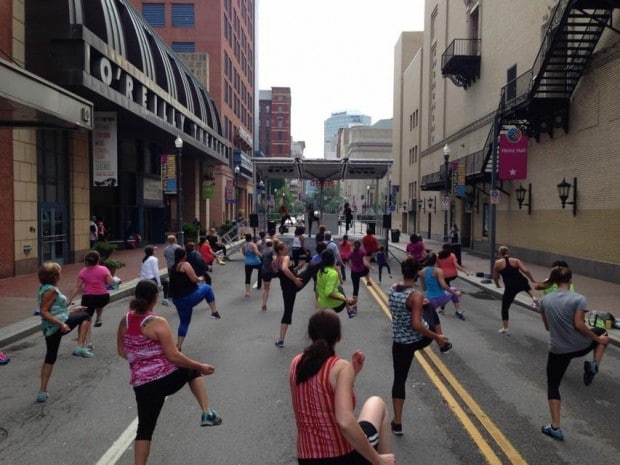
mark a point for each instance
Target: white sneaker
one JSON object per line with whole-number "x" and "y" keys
{"x": 165, "y": 302}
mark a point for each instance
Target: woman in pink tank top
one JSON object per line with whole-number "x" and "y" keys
{"x": 157, "y": 367}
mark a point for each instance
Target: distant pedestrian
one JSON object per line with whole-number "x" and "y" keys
{"x": 171, "y": 246}
{"x": 370, "y": 243}
{"x": 92, "y": 231}
{"x": 563, "y": 314}
{"x": 323, "y": 399}
{"x": 548, "y": 286}
{"x": 436, "y": 289}
{"x": 267, "y": 272}
{"x": 328, "y": 285}
{"x": 284, "y": 217}
{"x": 198, "y": 263}
{"x": 348, "y": 217}
{"x": 56, "y": 321}
{"x": 92, "y": 282}
{"x": 158, "y": 368}
{"x": 360, "y": 267}
{"x": 218, "y": 247}
{"x": 320, "y": 235}
{"x": 454, "y": 233}
{"x": 312, "y": 218}
{"x": 101, "y": 231}
{"x": 299, "y": 248}
{"x": 149, "y": 269}
{"x": 410, "y": 333}
{"x": 447, "y": 261}
{"x": 188, "y": 290}
{"x": 289, "y": 283}
{"x": 346, "y": 247}
{"x": 513, "y": 274}
{"x": 253, "y": 261}
{"x": 416, "y": 249}
{"x": 382, "y": 262}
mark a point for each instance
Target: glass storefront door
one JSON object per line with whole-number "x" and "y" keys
{"x": 53, "y": 227}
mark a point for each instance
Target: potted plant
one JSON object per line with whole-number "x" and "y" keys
{"x": 105, "y": 249}
{"x": 113, "y": 265}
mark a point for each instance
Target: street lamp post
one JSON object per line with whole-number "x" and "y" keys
{"x": 236, "y": 189}
{"x": 446, "y": 158}
{"x": 178, "y": 143}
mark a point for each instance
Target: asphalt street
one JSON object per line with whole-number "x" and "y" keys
{"x": 483, "y": 402}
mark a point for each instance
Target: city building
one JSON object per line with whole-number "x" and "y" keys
{"x": 368, "y": 196}
{"x": 91, "y": 99}
{"x": 224, "y": 31}
{"x": 338, "y": 121}
{"x": 513, "y": 137}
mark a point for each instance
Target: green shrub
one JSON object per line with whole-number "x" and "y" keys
{"x": 105, "y": 249}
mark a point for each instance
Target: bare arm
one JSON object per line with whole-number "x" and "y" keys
{"x": 496, "y": 274}
{"x": 544, "y": 318}
{"x": 524, "y": 270}
{"x": 442, "y": 282}
{"x": 158, "y": 329}
{"x": 120, "y": 347}
{"x": 579, "y": 322}
{"x": 189, "y": 271}
{"x": 285, "y": 268}
{"x": 46, "y": 304}
{"x": 79, "y": 286}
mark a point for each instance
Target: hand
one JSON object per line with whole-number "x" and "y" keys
{"x": 604, "y": 339}
{"x": 206, "y": 369}
{"x": 299, "y": 282}
{"x": 76, "y": 308}
{"x": 387, "y": 459}
{"x": 357, "y": 359}
{"x": 64, "y": 328}
{"x": 441, "y": 339}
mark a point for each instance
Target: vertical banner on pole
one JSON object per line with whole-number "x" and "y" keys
{"x": 513, "y": 154}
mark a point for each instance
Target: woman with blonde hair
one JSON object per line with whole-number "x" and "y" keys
{"x": 56, "y": 321}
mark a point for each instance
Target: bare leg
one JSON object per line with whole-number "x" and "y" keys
{"x": 83, "y": 333}
{"x": 46, "y": 372}
{"x": 283, "y": 328}
{"x": 247, "y": 290}
{"x": 554, "y": 408}
{"x": 199, "y": 389}
{"x": 213, "y": 307}
{"x": 266, "y": 286}
{"x": 180, "y": 340}
{"x": 374, "y": 411}
{"x": 599, "y": 350}
{"x": 397, "y": 405}
{"x": 141, "y": 451}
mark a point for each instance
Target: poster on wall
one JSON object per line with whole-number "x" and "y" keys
{"x": 105, "y": 150}
{"x": 513, "y": 154}
{"x": 230, "y": 192}
{"x": 168, "y": 174}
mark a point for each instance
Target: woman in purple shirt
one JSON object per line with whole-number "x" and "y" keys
{"x": 360, "y": 266}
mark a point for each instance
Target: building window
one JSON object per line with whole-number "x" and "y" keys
{"x": 511, "y": 81}
{"x": 154, "y": 13}
{"x": 183, "y": 47}
{"x": 183, "y": 15}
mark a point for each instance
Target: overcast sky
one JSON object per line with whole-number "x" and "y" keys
{"x": 335, "y": 55}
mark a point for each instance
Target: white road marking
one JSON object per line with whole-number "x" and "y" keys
{"x": 119, "y": 446}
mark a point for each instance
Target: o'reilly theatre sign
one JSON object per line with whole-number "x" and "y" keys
{"x": 138, "y": 92}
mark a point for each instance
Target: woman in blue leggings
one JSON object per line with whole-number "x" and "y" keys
{"x": 188, "y": 290}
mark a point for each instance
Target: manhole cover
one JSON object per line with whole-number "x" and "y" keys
{"x": 3, "y": 434}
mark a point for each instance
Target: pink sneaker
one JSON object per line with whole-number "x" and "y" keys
{"x": 4, "y": 359}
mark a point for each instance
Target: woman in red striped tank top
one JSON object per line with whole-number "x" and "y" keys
{"x": 319, "y": 377}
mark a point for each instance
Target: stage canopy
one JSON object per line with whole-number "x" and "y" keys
{"x": 319, "y": 169}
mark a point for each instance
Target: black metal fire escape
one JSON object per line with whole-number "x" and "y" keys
{"x": 539, "y": 99}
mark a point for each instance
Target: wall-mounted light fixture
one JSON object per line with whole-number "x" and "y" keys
{"x": 404, "y": 206}
{"x": 27, "y": 249}
{"x": 431, "y": 203}
{"x": 521, "y": 193}
{"x": 564, "y": 189}
{"x": 421, "y": 204}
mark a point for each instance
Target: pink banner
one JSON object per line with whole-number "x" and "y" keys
{"x": 513, "y": 154}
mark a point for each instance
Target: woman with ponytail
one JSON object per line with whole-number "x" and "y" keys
{"x": 158, "y": 368}
{"x": 319, "y": 377}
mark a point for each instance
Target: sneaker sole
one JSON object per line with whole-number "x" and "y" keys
{"x": 547, "y": 432}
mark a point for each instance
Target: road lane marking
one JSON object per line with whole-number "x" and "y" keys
{"x": 508, "y": 449}
{"x": 118, "y": 447}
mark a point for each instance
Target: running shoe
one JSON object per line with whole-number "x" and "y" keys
{"x": 215, "y": 316}
{"x": 4, "y": 359}
{"x": 98, "y": 323}
{"x": 352, "y": 311}
{"x": 445, "y": 348}
{"x": 590, "y": 369}
{"x": 279, "y": 343}
{"x": 210, "y": 418}
{"x": 397, "y": 428}
{"x": 42, "y": 396}
{"x": 505, "y": 331}
{"x": 82, "y": 352}
{"x": 460, "y": 315}
{"x": 165, "y": 302}
{"x": 555, "y": 433}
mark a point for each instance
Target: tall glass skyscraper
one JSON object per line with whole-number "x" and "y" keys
{"x": 336, "y": 121}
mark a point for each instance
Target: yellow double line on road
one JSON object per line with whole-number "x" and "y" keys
{"x": 434, "y": 373}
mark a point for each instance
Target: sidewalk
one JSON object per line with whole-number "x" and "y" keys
{"x": 601, "y": 295}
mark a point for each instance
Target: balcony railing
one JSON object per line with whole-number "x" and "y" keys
{"x": 461, "y": 61}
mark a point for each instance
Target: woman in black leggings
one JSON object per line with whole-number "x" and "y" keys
{"x": 512, "y": 272}
{"x": 289, "y": 284}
